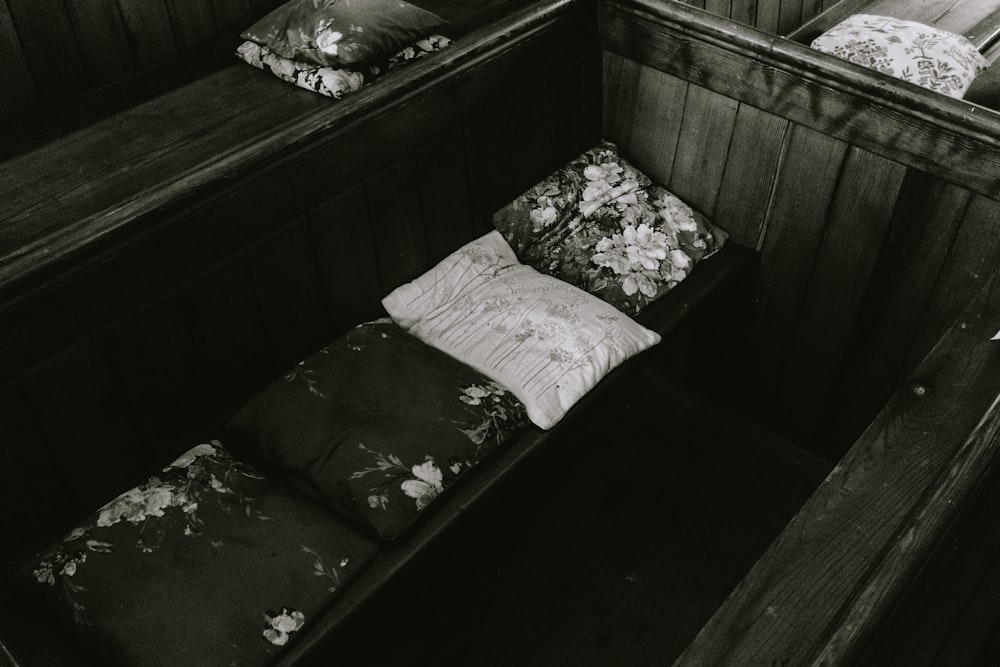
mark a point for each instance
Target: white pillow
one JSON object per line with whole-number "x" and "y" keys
{"x": 545, "y": 340}
{"x": 918, "y": 53}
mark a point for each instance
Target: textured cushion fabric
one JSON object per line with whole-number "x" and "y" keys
{"x": 602, "y": 225}
{"x": 378, "y": 424}
{"x": 351, "y": 34}
{"x": 911, "y": 51}
{"x": 331, "y": 81}
{"x": 544, "y": 339}
{"x": 206, "y": 563}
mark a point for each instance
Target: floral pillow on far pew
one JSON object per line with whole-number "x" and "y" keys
{"x": 602, "y": 225}
{"x": 208, "y": 562}
{"x": 378, "y": 424}
{"x": 908, "y": 50}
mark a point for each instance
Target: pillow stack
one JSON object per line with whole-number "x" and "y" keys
{"x": 334, "y": 47}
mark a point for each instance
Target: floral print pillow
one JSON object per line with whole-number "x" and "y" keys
{"x": 331, "y": 81}
{"x": 343, "y": 34}
{"x": 546, "y": 340}
{"x": 911, "y": 51}
{"x": 378, "y": 424}
{"x": 208, "y": 562}
{"x": 602, "y": 225}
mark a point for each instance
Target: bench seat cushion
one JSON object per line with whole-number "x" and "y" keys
{"x": 206, "y": 563}
{"x": 379, "y": 424}
{"x": 907, "y": 50}
{"x": 602, "y": 225}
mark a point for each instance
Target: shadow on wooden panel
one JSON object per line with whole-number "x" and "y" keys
{"x": 397, "y": 224}
{"x": 445, "y": 194}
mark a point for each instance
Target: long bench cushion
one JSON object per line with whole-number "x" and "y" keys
{"x": 544, "y": 339}
{"x": 378, "y": 424}
{"x": 908, "y": 50}
{"x": 601, "y": 224}
{"x": 206, "y": 563}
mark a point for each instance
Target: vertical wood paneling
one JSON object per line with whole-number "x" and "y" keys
{"x": 103, "y": 39}
{"x": 974, "y": 255}
{"x": 50, "y": 48}
{"x": 345, "y": 255}
{"x": 790, "y": 16}
{"x": 745, "y": 11}
{"x": 20, "y": 95}
{"x": 231, "y": 16}
{"x": 802, "y": 198}
{"x": 655, "y": 125}
{"x": 289, "y": 292}
{"x": 79, "y": 405}
{"x": 927, "y": 216}
{"x": 810, "y": 8}
{"x": 706, "y": 131}
{"x": 232, "y": 351}
{"x": 621, "y": 88}
{"x": 393, "y": 196}
{"x": 531, "y": 135}
{"x": 750, "y": 173}
{"x": 719, "y": 7}
{"x": 769, "y": 15}
{"x": 193, "y": 22}
{"x": 29, "y": 472}
{"x": 491, "y": 163}
{"x": 856, "y": 223}
{"x": 445, "y": 199}
{"x": 149, "y": 31}
{"x": 153, "y": 357}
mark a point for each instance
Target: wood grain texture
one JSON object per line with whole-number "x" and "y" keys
{"x": 745, "y": 11}
{"x": 352, "y": 286}
{"x": 103, "y": 39}
{"x": 148, "y": 30}
{"x": 828, "y": 578}
{"x": 50, "y": 48}
{"x": 750, "y": 175}
{"x": 796, "y": 223}
{"x": 858, "y": 217}
{"x": 397, "y": 223}
{"x": 873, "y": 111}
{"x": 20, "y": 94}
{"x": 193, "y": 23}
{"x": 705, "y": 134}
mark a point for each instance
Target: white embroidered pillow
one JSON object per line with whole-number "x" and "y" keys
{"x": 911, "y": 51}
{"x": 545, "y": 340}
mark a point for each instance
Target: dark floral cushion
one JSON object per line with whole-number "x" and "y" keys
{"x": 379, "y": 424}
{"x": 602, "y": 225}
{"x": 908, "y": 50}
{"x": 206, "y": 563}
{"x": 345, "y": 34}
{"x": 331, "y": 81}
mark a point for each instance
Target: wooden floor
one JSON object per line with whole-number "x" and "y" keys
{"x": 613, "y": 550}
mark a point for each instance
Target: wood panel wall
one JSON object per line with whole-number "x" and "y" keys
{"x": 778, "y": 17}
{"x": 865, "y": 260}
{"x": 128, "y": 378}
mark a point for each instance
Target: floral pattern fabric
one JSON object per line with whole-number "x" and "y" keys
{"x": 908, "y": 50}
{"x": 602, "y": 225}
{"x": 546, "y": 340}
{"x": 342, "y": 34}
{"x": 331, "y": 81}
{"x": 171, "y": 572}
{"x": 378, "y": 424}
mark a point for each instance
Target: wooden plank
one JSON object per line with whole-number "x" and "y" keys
{"x": 789, "y": 16}
{"x": 705, "y": 135}
{"x": 231, "y": 16}
{"x": 233, "y": 356}
{"x": 927, "y": 217}
{"x": 445, "y": 197}
{"x": 974, "y": 253}
{"x": 193, "y": 23}
{"x": 393, "y": 196}
{"x": 621, "y": 85}
{"x": 796, "y": 224}
{"x": 810, "y": 9}
{"x": 768, "y": 16}
{"x": 830, "y": 577}
{"x": 719, "y": 7}
{"x": 50, "y": 48}
{"x": 289, "y": 294}
{"x": 531, "y": 137}
{"x": 491, "y": 164}
{"x": 751, "y": 171}
{"x": 348, "y": 268}
{"x": 103, "y": 39}
{"x": 149, "y": 30}
{"x": 745, "y": 11}
{"x": 20, "y": 94}
{"x": 887, "y": 116}
{"x": 858, "y": 217}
